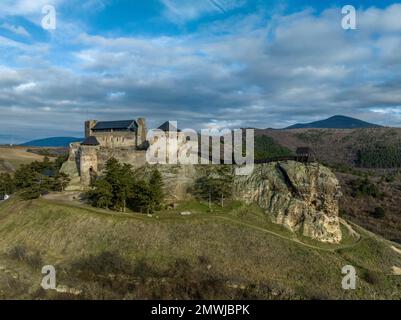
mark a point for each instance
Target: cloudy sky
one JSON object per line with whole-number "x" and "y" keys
{"x": 223, "y": 63}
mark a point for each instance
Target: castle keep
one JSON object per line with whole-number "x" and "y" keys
{"x": 124, "y": 140}
{"x": 116, "y": 134}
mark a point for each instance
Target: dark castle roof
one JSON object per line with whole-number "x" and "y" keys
{"x": 167, "y": 127}
{"x": 90, "y": 141}
{"x": 116, "y": 125}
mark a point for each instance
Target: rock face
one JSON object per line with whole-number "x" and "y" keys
{"x": 301, "y": 197}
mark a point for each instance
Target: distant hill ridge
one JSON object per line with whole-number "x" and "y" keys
{"x": 52, "y": 142}
{"x": 335, "y": 122}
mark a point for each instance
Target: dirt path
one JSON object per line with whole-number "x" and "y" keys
{"x": 351, "y": 230}
{"x": 338, "y": 247}
{"x": 396, "y": 249}
{"x": 67, "y": 196}
{"x": 396, "y": 270}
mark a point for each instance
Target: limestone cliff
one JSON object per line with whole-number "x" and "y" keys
{"x": 301, "y": 197}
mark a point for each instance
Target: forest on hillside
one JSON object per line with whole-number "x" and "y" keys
{"x": 380, "y": 156}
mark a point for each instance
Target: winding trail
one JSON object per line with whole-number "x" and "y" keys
{"x": 333, "y": 250}
{"x": 396, "y": 270}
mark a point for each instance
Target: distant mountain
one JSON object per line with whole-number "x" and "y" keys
{"x": 60, "y": 142}
{"x": 335, "y": 122}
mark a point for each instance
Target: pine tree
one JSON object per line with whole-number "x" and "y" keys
{"x": 140, "y": 197}
{"x": 224, "y": 183}
{"x": 116, "y": 176}
{"x": 215, "y": 185}
{"x": 7, "y": 184}
{"x": 102, "y": 194}
{"x": 204, "y": 188}
{"x": 156, "y": 186}
{"x": 61, "y": 181}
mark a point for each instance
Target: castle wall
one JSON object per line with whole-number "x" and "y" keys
{"x": 84, "y": 162}
{"x": 116, "y": 139}
{"x": 129, "y": 156}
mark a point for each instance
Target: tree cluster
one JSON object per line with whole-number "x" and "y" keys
{"x": 39, "y": 178}
{"x": 364, "y": 187}
{"x": 215, "y": 185}
{"x": 121, "y": 187}
{"x": 379, "y": 213}
{"x": 35, "y": 179}
{"x": 7, "y": 184}
{"x": 380, "y": 156}
{"x": 266, "y": 147}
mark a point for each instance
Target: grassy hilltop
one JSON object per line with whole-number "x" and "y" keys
{"x": 231, "y": 253}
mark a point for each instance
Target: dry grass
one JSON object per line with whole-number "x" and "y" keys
{"x": 230, "y": 255}
{"x": 17, "y": 156}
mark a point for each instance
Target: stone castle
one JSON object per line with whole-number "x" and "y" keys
{"x": 124, "y": 140}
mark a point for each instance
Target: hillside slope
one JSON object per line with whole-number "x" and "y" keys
{"x": 232, "y": 253}
{"x": 335, "y": 146}
{"x": 12, "y": 158}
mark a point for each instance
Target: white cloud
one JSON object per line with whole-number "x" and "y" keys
{"x": 181, "y": 11}
{"x": 116, "y": 95}
{"x": 25, "y": 87}
{"x": 19, "y": 30}
{"x": 380, "y": 20}
{"x": 25, "y": 7}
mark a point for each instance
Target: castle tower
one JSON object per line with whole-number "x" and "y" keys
{"x": 89, "y": 126}
{"x": 88, "y": 160}
{"x": 88, "y": 164}
{"x": 142, "y": 131}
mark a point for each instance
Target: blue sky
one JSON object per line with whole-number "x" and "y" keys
{"x": 205, "y": 63}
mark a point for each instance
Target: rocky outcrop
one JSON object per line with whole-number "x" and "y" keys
{"x": 301, "y": 197}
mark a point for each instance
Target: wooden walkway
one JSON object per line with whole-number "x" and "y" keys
{"x": 287, "y": 158}
{"x": 302, "y": 159}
